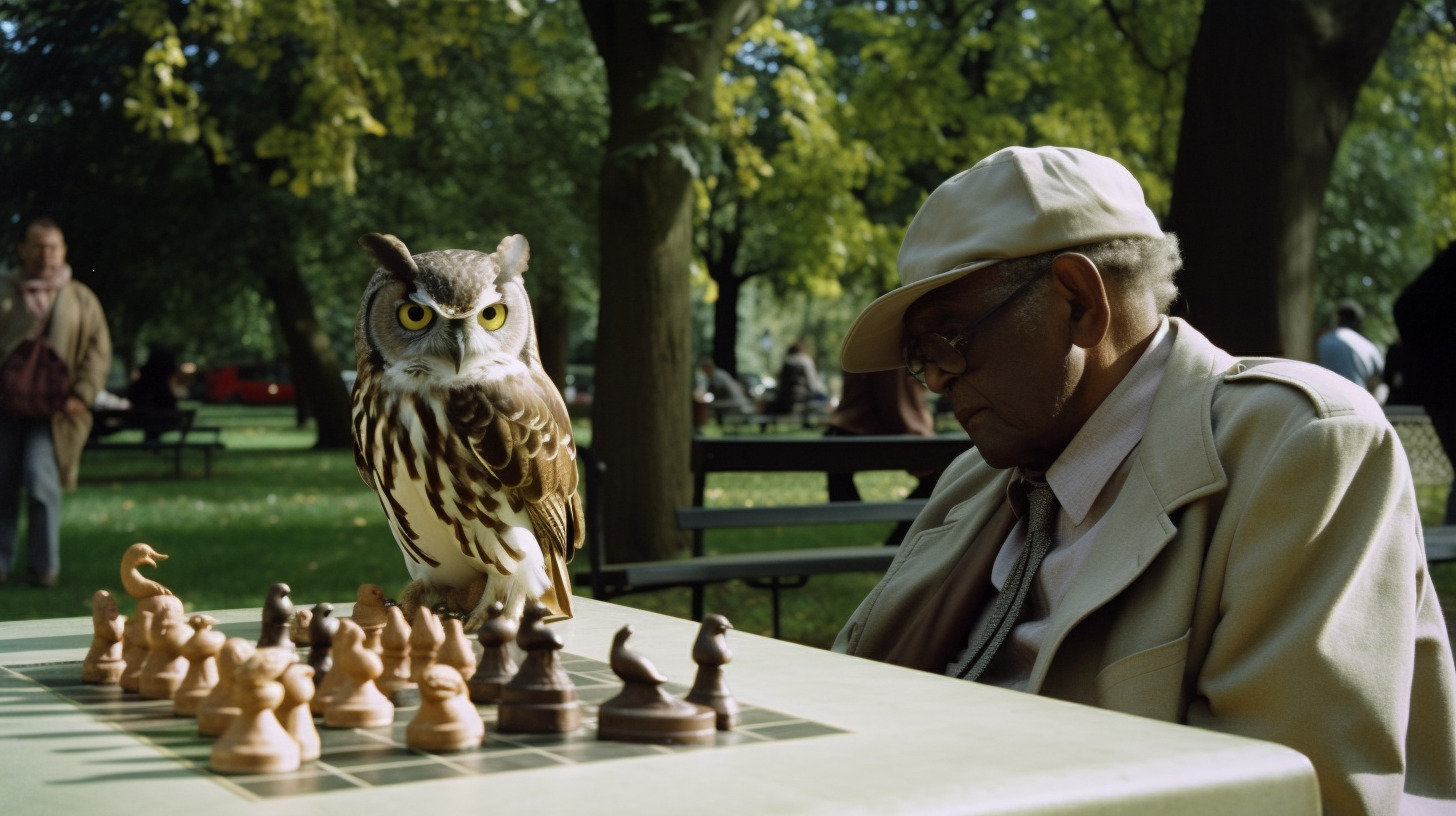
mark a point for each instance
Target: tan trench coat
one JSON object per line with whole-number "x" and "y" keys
{"x": 79, "y": 335}
{"x": 1262, "y": 573}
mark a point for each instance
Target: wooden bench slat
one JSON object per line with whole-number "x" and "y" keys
{"x": 776, "y": 564}
{"x": 717, "y": 518}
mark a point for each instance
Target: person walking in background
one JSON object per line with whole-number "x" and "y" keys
{"x": 880, "y": 403}
{"x": 1347, "y": 352}
{"x": 1430, "y": 349}
{"x": 43, "y": 456}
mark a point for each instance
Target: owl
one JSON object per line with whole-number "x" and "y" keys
{"x": 461, "y": 434}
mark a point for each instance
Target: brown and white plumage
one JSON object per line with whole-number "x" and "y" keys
{"x": 460, "y": 432}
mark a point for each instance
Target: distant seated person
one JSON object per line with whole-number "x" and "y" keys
{"x": 798, "y": 383}
{"x": 1347, "y": 352}
{"x": 1147, "y": 523}
{"x": 153, "y": 388}
{"x": 722, "y": 391}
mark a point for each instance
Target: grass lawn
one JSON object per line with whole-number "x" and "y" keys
{"x": 276, "y": 510}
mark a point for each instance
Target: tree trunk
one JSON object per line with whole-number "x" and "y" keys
{"x": 725, "y": 323}
{"x": 641, "y": 412}
{"x": 1271, "y": 86}
{"x": 317, "y": 373}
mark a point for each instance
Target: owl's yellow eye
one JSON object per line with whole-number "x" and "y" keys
{"x": 414, "y": 317}
{"x": 492, "y": 317}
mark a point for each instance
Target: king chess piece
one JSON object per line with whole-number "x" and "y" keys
{"x": 446, "y": 720}
{"x": 710, "y": 652}
{"x": 218, "y": 709}
{"x": 256, "y": 742}
{"x": 150, "y": 597}
{"x": 541, "y": 698}
{"x": 200, "y": 651}
{"x": 394, "y": 646}
{"x": 294, "y": 714}
{"x": 496, "y": 666}
{"x": 103, "y": 664}
{"x": 360, "y": 704}
{"x": 165, "y": 667}
{"x": 643, "y": 712}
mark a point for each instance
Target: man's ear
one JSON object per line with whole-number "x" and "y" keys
{"x": 1079, "y": 283}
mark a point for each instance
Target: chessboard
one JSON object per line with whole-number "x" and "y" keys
{"x": 376, "y": 757}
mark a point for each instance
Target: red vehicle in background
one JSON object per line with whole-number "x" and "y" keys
{"x": 251, "y": 384}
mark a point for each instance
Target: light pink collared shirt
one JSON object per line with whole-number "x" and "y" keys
{"x": 1086, "y": 479}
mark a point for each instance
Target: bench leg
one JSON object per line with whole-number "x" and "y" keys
{"x": 697, "y": 602}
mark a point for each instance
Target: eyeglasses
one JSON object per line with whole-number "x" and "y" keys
{"x": 948, "y": 352}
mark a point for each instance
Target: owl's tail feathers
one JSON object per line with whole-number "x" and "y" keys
{"x": 558, "y": 597}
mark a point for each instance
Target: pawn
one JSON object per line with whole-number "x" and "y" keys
{"x": 298, "y": 625}
{"x": 165, "y": 667}
{"x": 456, "y": 651}
{"x": 497, "y": 667}
{"x": 446, "y": 720}
{"x": 643, "y": 712}
{"x": 426, "y": 638}
{"x": 294, "y": 714}
{"x": 200, "y": 650}
{"x": 134, "y": 648}
{"x": 103, "y": 664}
{"x": 218, "y": 710}
{"x": 710, "y": 652}
{"x": 256, "y": 742}
{"x": 541, "y": 698}
{"x": 360, "y": 704}
{"x": 321, "y": 628}
{"x": 369, "y": 606}
{"x": 394, "y": 645}
{"x": 277, "y": 614}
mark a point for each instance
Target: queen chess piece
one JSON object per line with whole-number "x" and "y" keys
{"x": 446, "y": 720}
{"x": 200, "y": 651}
{"x": 643, "y": 712}
{"x": 255, "y": 742}
{"x": 541, "y": 698}
{"x": 360, "y": 704}
{"x": 165, "y": 667}
{"x": 218, "y": 710}
{"x": 103, "y": 664}
{"x": 496, "y": 666}
{"x": 711, "y": 653}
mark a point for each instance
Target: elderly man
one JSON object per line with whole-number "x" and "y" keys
{"x": 43, "y": 455}
{"x": 1146, "y": 523}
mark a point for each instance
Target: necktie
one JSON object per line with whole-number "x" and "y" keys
{"x": 1041, "y": 516}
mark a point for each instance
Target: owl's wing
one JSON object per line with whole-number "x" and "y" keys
{"x": 519, "y": 429}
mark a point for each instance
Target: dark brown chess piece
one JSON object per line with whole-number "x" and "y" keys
{"x": 394, "y": 646}
{"x": 147, "y": 594}
{"x": 643, "y": 712}
{"x": 496, "y": 667}
{"x": 369, "y": 606}
{"x": 200, "y": 651}
{"x": 165, "y": 667}
{"x": 541, "y": 697}
{"x": 711, "y": 653}
{"x": 218, "y": 710}
{"x": 277, "y": 615}
{"x": 255, "y": 742}
{"x": 360, "y": 704}
{"x": 446, "y": 720}
{"x": 294, "y": 714}
{"x": 321, "y": 628}
{"x": 103, "y": 664}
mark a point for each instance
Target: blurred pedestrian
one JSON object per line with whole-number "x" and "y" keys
{"x": 1347, "y": 352}
{"x": 43, "y": 456}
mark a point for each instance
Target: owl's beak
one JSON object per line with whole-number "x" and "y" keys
{"x": 455, "y": 329}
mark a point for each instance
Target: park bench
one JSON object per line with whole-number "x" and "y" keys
{"x": 169, "y": 432}
{"x": 801, "y": 415}
{"x": 774, "y": 570}
{"x": 1428, "y": 466}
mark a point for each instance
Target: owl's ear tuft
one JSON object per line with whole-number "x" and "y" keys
{"x": 391, "y": 253}
{"x": 513, "y": 253}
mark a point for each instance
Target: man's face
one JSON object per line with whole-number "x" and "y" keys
{"x": 43, "y": 252}
{"x": 1020, "y": 374}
